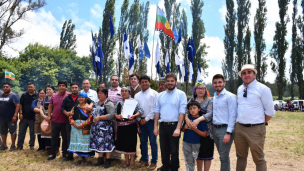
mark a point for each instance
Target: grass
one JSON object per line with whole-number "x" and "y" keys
{"x": 284, "y": 150}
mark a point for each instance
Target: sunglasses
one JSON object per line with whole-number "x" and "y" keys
{"x": 245, "y": 92}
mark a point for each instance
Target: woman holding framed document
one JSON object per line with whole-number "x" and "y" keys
{"x": 127, "y": 126}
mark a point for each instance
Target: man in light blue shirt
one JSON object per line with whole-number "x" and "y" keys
{"x": 255, "y": 109}
{"x": 224, "y": 116}
{"x": 170, "y": 108}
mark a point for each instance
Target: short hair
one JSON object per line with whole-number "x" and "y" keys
{"x": 171, "y": 75}
{"x": 86, "y": 80}
{"x": 144, "y": 77}
{"x": 31, "y": 83}
{"x": 193, "y": 103}
{"x": 6, "y": 83}
{"x": 133, "y": 75}
{"x": 104, "y": 86}
{"x": 115, "y": 76}
{"x": 41, "y": 90}
{"x": 63, "y": 82}
{"x": 103, "y": 90}
{"x": 217, "y": 76}
{"x": 50, "y": 86}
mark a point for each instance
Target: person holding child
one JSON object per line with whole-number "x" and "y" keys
{"x": 192, "y": 135}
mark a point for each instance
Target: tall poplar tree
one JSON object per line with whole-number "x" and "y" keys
{"x": 300, "y": 51}
{"x": 260, "y": 46}
{"x": 280, "y": 47}
{"x": 184, "y": 42}
{"x": 67, "y": 37}
{"x": 293, "y": 57}
{"x": 243, "y": 12}
{"x": 229, "y": 44}
{"x": 247, "y": 47}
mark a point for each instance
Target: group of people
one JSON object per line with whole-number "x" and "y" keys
{"x": 90, "y": 122}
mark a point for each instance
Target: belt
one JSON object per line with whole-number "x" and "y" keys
{"x": 250, "y": 125}
{"x": 220, "y": 126}
{"x": 168, "y": 123}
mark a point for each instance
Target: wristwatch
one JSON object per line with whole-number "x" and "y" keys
{"x": 229, "y": 133}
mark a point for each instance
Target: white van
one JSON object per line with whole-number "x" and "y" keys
{"x": 297, "y": 102}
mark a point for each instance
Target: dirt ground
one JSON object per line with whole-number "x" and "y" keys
{"x": 284, "y": 149}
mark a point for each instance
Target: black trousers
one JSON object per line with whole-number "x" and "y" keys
{"x": 58, "y": 128}
{"x": 68, "y": 131}
{"x": 169, "y": 147}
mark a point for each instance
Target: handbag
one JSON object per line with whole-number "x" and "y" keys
{"x": 46, "y": 126}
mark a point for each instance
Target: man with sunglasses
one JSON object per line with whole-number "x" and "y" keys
{"x": 255, "y": 109}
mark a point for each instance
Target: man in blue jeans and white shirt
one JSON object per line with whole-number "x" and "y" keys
{"x": 147, "y": 99}
{"x": 224, "y": 116}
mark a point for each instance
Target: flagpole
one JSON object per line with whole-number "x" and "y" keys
{"x": 153, "y": 44}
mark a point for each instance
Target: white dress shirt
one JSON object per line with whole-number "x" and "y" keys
{"x": 147, "y": 101}
{"x": 225, "y": 109}
{"x": 92, "y": 95}
{"x": 252, "y": 109}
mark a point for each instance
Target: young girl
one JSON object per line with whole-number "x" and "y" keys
{"x": 192, "y": 135}
{"x": 81, "y": 121}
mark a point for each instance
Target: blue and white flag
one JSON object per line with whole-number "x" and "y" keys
{"x": 179, "y": 34}
{"x": 199, "y": 71}
{"x": 111, "y": 27}
{"x": 140, "y": 49}
{"x": 126, "y": 46}
{"x": 190, "y": 50}
{"x": 99, "y": 57}
{"x": 162, "y": 74}
{"x": 179, "y": 63}
{"x": 191, "y": 72}
{"x": 186, "y": 72}
{"x": 146, "y": 49}
{"x": 192, "y": 44}
{"x": 131, "y": 61}
{"x": 175, "y": 34}
{"x": 157, "y": 58}
{"x": 167, "y": 63}
{"x": 93, "y": 52}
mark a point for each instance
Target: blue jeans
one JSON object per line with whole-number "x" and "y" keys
{"x": 147, "y": 132}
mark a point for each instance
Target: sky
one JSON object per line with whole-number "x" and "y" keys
{"x": 44, "y": 27}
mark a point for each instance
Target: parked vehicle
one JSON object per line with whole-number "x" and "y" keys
{"x": 298, "y": 104}
{"x": 279, "y": 102}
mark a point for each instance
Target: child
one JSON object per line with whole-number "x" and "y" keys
{"x": 192, "y": 135}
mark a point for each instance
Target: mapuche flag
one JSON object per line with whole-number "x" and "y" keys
{"x": 162, "y": 24}
{"x": 9, "y": 75}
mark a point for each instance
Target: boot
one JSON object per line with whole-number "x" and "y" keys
{"x": 100, "y": 161}
{"x": 107, "y": 163}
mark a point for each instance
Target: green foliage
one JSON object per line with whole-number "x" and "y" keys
{"x": 10, "y": 65}
{"x": 229, "y": 44}
{"x": 67, "y": 37}
{"x": 280, "y": 47}
{"x": 293, "y": 68}
{"x": 260, "y": 46}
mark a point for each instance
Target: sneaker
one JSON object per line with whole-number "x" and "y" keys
{"x": 19, "y": 148}
{"x": 32, "y": 148}
{"x": 13, "y": 148}
{"x": 2, "y": 147}
{"x": 51, "y": 157}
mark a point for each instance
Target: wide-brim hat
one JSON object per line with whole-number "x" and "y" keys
{"x": 247, "y": 66}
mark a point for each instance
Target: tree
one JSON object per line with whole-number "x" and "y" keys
{"x": 67, "y": 37}
{"x": 107, "y": 43}
{"x": 184, "y": 25}
{"x": 198, "y": 33}
{"x": 121, "y": 61}
{"x": 11, "y": 11}
{"x": 229, "y": 44}
{"x": 260, "y": 46}
{"x": 243, "y": 12}
{"x": 280, "y": 47}
{"x": 247, "y": 47}
{"x": 300, "y": 51}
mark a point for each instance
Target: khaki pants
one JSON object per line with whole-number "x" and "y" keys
{"x": 253, "y": 138}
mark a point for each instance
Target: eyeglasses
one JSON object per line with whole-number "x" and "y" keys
{"x": 203, "y": 88}
{"x": 245, "y": 92}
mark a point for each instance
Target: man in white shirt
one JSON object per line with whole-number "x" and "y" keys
{"x": 255, "y": 109}
{"x": 86, "y": 85}
{"x": 147, "y": 99}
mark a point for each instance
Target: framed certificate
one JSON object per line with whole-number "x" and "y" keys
{"x": 128, "y": 108}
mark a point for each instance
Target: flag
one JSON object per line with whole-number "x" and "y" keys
{"x": 146, "y": 49}
{"x": 175, "y": 34}
{"x": 167, "y": 63}
{"x": 162, "y": 24}
{"x": 140, "y": 48}
{"x": 186, "y": 72}
{"x": 178, "y": 62}
{"x": 191, "y": 72}
{"x": 157, "y": 58}
{"x": 126, "y": 46}
{"x": 111, "y": 27}
{"x": 162, "y": 74}
{"x": 192, "y": 44}
{"x": 199, "y": 71}
{"x": 98, "y": 58}
{"x": 179, "y": 34}
{"x": 131, "y": 61}
{"x": 190, "y": 50}
{"x": 93, "y": 52}
{"x": 9, "y": 75}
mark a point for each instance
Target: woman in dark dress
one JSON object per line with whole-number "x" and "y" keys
{"x": 127, "y": 129}
{"x": 201, "y": 95}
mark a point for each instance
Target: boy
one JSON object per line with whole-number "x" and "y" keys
{"x": 192, "y": 135}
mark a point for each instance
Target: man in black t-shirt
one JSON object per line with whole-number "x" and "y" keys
{"x": 9, "y": 107}
{"x": 27, "y": 116}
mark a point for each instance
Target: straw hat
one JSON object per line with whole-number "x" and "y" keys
{"x": 247, "y": 66}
